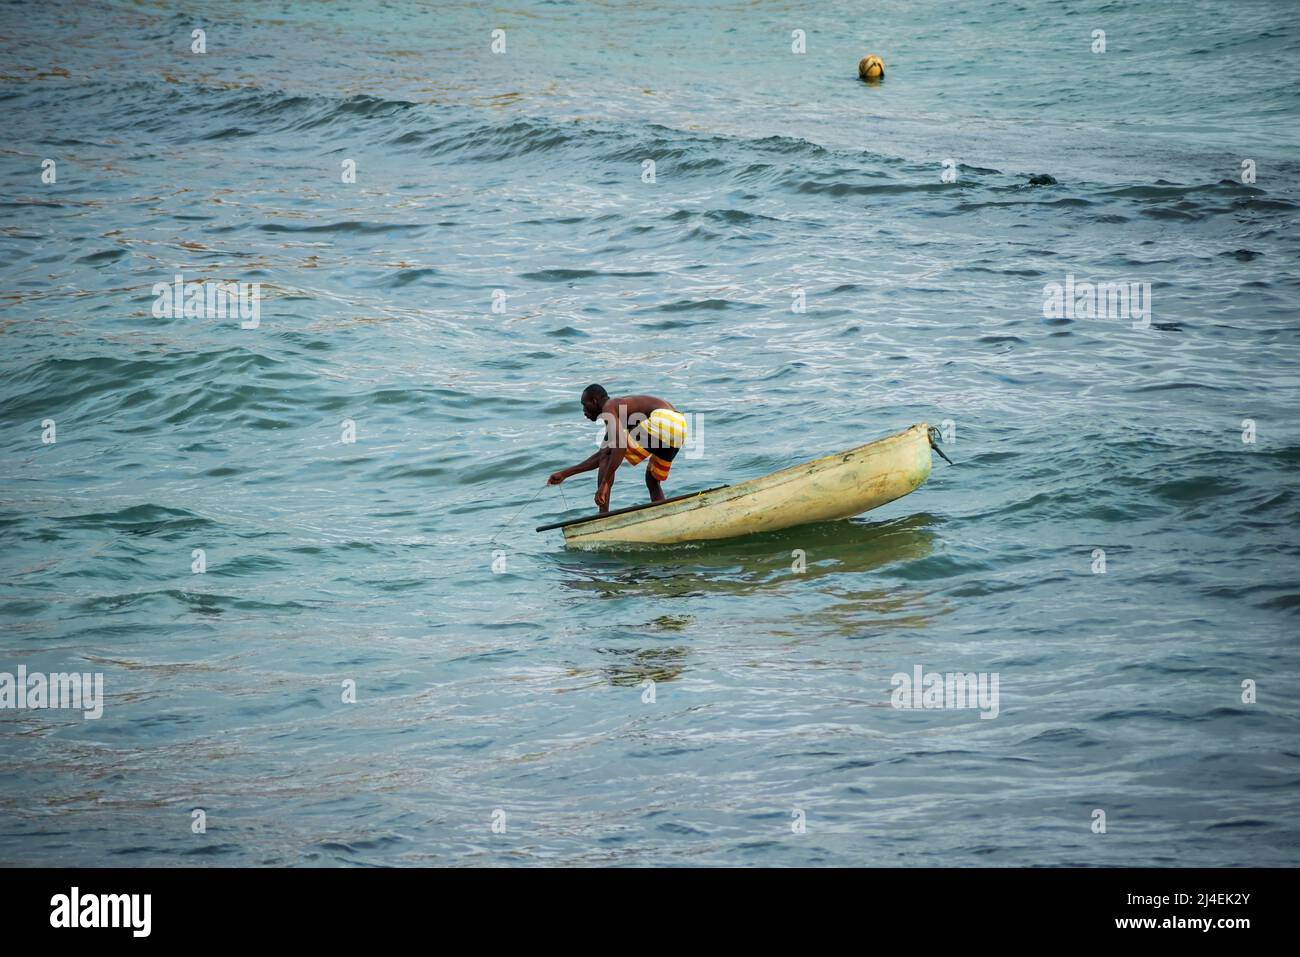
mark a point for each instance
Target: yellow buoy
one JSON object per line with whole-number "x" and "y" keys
{"x": 871, "y": 68}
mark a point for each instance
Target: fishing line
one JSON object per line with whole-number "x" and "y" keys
{"x": 517, "y": 514}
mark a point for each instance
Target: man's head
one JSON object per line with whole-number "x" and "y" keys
{"x": 594, "y": 398}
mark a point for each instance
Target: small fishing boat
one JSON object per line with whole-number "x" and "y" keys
{"x": 832, "y": 487}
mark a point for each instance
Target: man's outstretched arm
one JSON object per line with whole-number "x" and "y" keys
{"x": 586, "y": 465}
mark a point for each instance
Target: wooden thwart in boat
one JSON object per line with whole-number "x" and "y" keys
{"x": 832, "y": 487}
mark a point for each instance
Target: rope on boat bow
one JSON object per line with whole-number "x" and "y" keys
{"x": 934, "y": 444}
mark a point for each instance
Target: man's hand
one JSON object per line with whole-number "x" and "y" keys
{"x": 602, "y": 498}
{"x": 556, "y": 478}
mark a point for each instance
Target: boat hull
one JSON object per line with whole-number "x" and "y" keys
{"x": 833, "y": 487}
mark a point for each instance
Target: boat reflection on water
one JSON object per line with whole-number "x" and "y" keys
{"x": 742, "y": 565}
{"x": 760, "y": 567}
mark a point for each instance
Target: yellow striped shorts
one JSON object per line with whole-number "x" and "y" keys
{"x": 664, "y": 432}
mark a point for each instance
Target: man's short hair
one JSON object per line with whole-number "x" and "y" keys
{"x": 596, "y": 392}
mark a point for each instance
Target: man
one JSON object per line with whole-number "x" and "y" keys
{"x": 636, "y": 427}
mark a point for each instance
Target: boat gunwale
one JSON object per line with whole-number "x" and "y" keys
{"x": 782, "y": 476}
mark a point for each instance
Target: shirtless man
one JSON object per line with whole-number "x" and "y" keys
{"x": 636, "y": 427}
